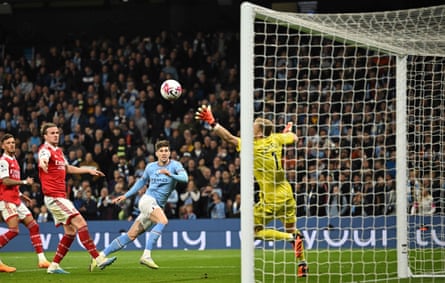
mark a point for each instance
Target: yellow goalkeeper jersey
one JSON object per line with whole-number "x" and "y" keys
{"x": 268, "y": 169}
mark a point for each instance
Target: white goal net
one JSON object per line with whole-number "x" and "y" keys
{"x": 366, "y": 95}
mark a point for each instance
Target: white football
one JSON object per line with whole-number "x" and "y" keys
{"x": 171, "y": 90}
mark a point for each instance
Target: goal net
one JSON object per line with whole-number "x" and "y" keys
{"x": 365, "y": 93}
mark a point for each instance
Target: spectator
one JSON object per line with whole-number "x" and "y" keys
{"x": 318, "y": 192}
{"x": 425, "y": 205}
{"x": 226, "y": 186}
{"x": 105, "y": 207}
{"x": 76, "y": 146}
{"x": 216, "y": 208}
{"x": 413, "y": 188}
{"x": 101, "y": 120}
{"x": 125, "y": 169}
{"x": 77, "y": 118}
{"x": 90, "y": 163}
{"x": 133, "y": 136}
{"x": 79, "y": 202}
{"x": 191, "y": 195}
{"x": 72, "y": 158}
{"x": 156, "y": 122}
{"x": 204, "y": 202}
{"x": 102, "y": 159}
{"x": 171, "y": 206}
{"x": 203, "y": 179}
{"x": 36, "y": 194}
{"x": 57, "y": 82}
{"x": 235, "y": 207}
{"x": 170, "y": 69}
{"x": 357, "y": 205}
{"x": 141, "y": 122}
{"x": 44, "y": 215}
{"x": 337, "y": 204}
{"x": 140, "y": 167}
{"x": 91, "y": 211}
{"x": 390, "y": 195}
{"x": 25, "y": 86}
{"x": 379, "y": 195}
{"x": 189, "y": 214}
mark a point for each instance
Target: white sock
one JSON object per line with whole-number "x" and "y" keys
{"x": 102, "y": 254}
{"x": 41, "y": 257}
{"x": 147, "y": 253}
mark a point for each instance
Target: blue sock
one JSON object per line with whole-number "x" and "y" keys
{"x": 117, "y": 244}
{"x": 154, "y": 235}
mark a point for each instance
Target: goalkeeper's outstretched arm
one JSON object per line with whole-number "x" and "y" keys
{"x": 205, "y": 114}
{"x": 226, "y": 135}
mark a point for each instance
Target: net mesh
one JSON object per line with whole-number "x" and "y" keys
{"x": 425, "y": 107}
{"x": 334, "y": 77}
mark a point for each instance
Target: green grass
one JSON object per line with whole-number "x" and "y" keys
{"x": 220, "y": 266}
{"x": 175, "y": 266}
{"x": 356, "y": 265}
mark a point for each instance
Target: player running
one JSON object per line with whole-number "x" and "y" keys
{"x": 276, "y": 199}
{"x": 162, "y": 176}
{"x": 53, "y": 168}
{"x": 13, "y": 210}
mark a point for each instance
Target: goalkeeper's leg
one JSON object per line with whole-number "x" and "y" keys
{"x": 272, "y": 235}
{"x": 261, "y": 217}
{"x": 298, "y": 245}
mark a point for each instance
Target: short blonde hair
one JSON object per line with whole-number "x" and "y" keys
{"x": 266, "y": 126}
{"x": 45, "y": 127}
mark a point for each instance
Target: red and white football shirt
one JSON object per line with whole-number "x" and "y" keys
{"x": 53, "y": 181}
{"x": 9, "y": 167}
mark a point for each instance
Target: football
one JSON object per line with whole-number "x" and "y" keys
{"x": 171, "y": 90}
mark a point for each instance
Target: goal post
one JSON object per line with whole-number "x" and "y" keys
{"x": 401, "y": 208}
{"x": 366, "y": 95}
{"x": 246, "y": 155}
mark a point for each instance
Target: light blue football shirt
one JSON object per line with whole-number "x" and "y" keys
{"x": 160, "y": 185}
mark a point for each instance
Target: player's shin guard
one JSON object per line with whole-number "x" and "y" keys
{"x": 34, "y": 233}
{"x": 155, "y": 233}
{"x": 117, "y": 244}
{"x": 87, "y": 242}
{"x": 63, "y": 248}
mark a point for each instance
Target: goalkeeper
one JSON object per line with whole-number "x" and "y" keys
{"x": 276, "y": 199}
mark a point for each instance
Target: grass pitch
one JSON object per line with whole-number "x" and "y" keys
{"x": 175, "y": 266}
{"x": 221, "y": 266}
{"x": 347, "y": 266}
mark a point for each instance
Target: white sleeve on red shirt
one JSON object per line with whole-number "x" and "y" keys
{"x": 44, "y": 154}
{"x": 4, "y": 169}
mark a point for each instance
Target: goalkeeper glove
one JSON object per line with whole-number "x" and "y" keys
{"x": 288, "y": 127}
{"x": 204, "y": 113}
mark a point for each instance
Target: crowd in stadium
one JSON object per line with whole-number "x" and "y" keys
{"x": 104, "y": 96}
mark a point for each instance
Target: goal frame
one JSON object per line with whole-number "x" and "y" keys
{"x": 246, "y": 154}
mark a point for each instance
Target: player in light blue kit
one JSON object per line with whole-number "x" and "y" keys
{"x": 162, "y": 176}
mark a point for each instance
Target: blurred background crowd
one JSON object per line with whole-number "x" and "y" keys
{"x": 104, "y": 96}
